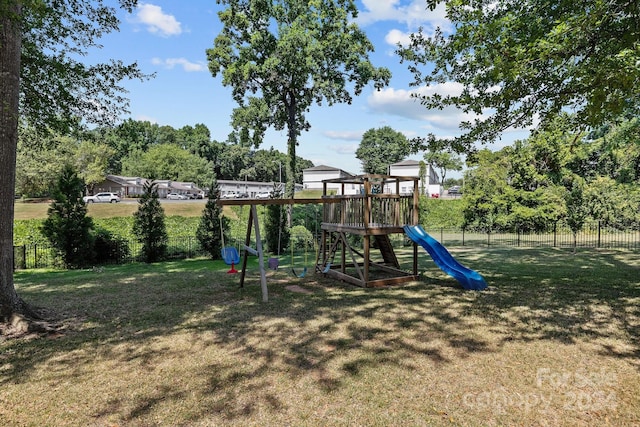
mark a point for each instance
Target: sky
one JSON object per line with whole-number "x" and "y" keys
{"x": 170, "y": 38}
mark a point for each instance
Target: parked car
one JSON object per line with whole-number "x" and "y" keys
{"x": 102, "y": 198}
{"x": 229, "y": 195}
{"x": 263, "y": 195}
{"x": 191, "y": 195}
{"x": 242, "y": 195}
{"x": 176, "y": 196}
{"x": 455, "y": 190}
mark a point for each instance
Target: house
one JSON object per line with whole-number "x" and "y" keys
{"x": 127, "y": 186}
{"x": 122, "y": 185}
{"x": 312, "y": 179}
{"x": 411, "y": 168}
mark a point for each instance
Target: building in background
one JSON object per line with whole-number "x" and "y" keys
{"x": 312, "y": 179}
{"x": 133, "y": 186}
{"x": 428, "y": 185}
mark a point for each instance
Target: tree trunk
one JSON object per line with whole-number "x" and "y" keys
{"x": 10, "y": 47}
{"x": 292, "y": 141}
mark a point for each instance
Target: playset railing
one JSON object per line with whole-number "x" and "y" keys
{"x": 369, "y": 211}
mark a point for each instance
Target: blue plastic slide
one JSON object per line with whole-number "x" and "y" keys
{"x": 469, "y": 279}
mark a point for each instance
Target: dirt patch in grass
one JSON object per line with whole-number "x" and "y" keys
{"x": 298, "y": 289}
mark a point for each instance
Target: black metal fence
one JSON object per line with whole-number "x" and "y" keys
{"x": 43, "y": 256}
{"x": 593, "y": 235}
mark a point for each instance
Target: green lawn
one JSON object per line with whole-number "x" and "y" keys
{"x": 555, "y": 340}
{"x": 111, "y": 210}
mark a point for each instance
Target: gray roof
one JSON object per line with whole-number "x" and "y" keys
{"x": 320, "y": 168}
{"x": 408, "y": 162}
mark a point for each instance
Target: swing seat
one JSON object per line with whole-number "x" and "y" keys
{"x": 273, "y": 263}
{"x": 326, "y": 268}
{"x": 302, "y": 273}
{"x": 231, "y": 257}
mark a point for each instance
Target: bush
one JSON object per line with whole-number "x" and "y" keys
{"x": 109, "y": 248}
{"x": 149, "y": 227}
{"x": 301, "y": 238}
{"x": 441, "y": 213}
{"x": 212, "y": 224}
{"x": 67, "y": 227}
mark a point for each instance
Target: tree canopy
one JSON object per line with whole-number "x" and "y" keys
{"x": 57, "y": 84}
{"x": 44, "y": 82}
{"x": 168, "y": 161}
{"x": 517, "y": 62}
{"x": 556, "y": 175}
{"x": 280, "y": 57}
{"x": 380, "y": 148}
{"x": 444, "y": 161}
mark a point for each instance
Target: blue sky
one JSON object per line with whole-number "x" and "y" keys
{"x": 170, "y": 37}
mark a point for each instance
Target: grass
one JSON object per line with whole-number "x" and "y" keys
{"x": 111, "y": 210}
{"x": 24, "y": 210}
{"x": 555, "y": 340}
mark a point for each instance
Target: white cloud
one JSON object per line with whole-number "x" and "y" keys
{"x": 145, "y": 118}
{"x": 395, "y": 37}
{"x": 156, "y": 21}
{"x": 345, "y": 135}
{"x": 413, "y": 13}
{"x": 399, "y": 102}
{"x": 184, "y": 63}
{"x": 344, "y": 148}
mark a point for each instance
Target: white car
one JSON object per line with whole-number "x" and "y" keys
{"x": 229, "y": 195}
{"x": 264, "y": 195}
{"x": 102, "y": 198}
{"x": 176, "y": 196}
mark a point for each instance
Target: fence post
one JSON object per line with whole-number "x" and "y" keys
{"x": 518, "y": 236}
{"x": 599, "y": 225}
{"x": 555, "y": 233}
{"x": 23, "y": 258}
{"x": 441, "y": 235}
{"x": 463, "y": 237}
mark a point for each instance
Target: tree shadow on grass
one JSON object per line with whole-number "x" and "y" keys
{"x": 333, "y": 334}
{"x": 552, "y": 294}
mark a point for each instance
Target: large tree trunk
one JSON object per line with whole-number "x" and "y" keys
{"x": 10, "y": 47}
{"x": 292, "y": 141}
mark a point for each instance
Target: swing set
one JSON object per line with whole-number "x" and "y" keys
{"x": 350, "y": 224}
{"x": 253, "y": 224}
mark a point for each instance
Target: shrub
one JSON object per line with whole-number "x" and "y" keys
{"x": 301, "y": 238}
{"x": 212, "y": 224}
{"x": 67, "y": 227}
{"x": 148, "y": 225}
{"x": 110, "y": 248}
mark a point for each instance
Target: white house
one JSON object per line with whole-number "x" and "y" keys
{"x": 411, "y": 168}
{"x": 312, "y": 179}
